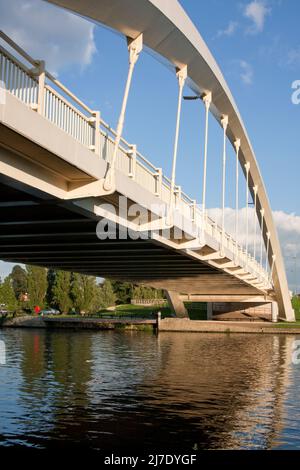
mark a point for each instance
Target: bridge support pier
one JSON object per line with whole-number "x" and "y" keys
{"x": 176, "y": 304}
{"x": 209, "y": 311}
{"x": 274, "y": 310}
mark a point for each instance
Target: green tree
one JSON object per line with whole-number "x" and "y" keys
{"x": 61, "y": 291}
{"x": 296, "y": 306}
{"x": 7, "y": 294}
{"x": 84, "y": 293}
{"x": 36, "y": 285}
{"x": 144, "y": 292}
{"x": 51, "y": 277}
{"x": 19, "y": 281}
{"x": 123, "y": 291}
{"x": 137, "y": 293}
{"x": 105, "y": 295}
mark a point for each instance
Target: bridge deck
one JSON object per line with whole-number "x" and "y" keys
{"x": 38, "y": 229}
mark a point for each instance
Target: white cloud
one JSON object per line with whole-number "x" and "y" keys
{"x": 246, "y": 72}
{"x": 229, "y": 31}
{"x": 256, "y": 11}
{"x": 48, "y": 32}
{"x": 288, "y": 227}
{"x": 293, "y": 56}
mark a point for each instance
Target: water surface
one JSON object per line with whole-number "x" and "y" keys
{"x": 134, "y": 390}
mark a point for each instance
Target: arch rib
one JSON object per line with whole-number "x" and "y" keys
{"x": 168, "y": 31}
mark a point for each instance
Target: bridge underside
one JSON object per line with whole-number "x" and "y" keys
{"x": 41, "y": 230}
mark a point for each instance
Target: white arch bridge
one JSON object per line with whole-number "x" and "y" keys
{"x": 60, "y": 163}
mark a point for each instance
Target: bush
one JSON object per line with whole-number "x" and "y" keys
{"x": 296, "y": 306}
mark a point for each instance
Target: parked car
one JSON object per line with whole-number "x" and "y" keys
{"x": 49, "y": 311}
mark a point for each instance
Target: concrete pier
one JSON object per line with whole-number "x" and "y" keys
{"x": 196, "y": 326}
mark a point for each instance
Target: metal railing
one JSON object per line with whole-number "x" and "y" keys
{"x": 42, "y": 92}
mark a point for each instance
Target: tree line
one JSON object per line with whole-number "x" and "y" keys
{"x": 26, "y": 288}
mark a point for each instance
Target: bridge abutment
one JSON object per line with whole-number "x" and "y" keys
{"x": 244, "y": 311}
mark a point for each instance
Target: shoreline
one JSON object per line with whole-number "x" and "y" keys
{"x": 177, "y": 325}
{"x": 79, "y": 323}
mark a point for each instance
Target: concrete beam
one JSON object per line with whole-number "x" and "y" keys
{"x": 176, "y": 304}
{"x": 226, "y": 298}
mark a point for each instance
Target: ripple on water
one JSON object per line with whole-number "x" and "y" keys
{"x": 129, "y": 389}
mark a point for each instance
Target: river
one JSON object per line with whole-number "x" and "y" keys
{"x": 115, "y": 390}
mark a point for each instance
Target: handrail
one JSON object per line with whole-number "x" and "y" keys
{"x": 35, "y": 63}
{"x": 62, "y": 98}
{"x": 146, "y": 161}
{"x": 68, "y": 92}
{"x": 18, "y": 48}
{"x": 16, "y": 61}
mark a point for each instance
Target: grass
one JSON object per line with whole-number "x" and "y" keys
{"x": 197, "y": 311}
{"x": 296, "y": 307}
{"x": 295, "y": 324}
{"x": 132, "y": 311}
{"x": 140, "y": 311}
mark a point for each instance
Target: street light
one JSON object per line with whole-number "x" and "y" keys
{"x": 190, "y": 98}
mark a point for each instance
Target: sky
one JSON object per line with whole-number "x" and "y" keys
{"x": 257, "y": 46}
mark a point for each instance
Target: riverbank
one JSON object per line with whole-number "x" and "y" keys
{"x": 145, "y": 324}
{"x": 81, "y": 323}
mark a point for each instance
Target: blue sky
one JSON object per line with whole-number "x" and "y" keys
{"x": 257, "y": 46}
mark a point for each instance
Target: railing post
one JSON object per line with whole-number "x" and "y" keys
{"x": 194, "y": 204}
{"x": 158, "y": 182}
{"x": 238, "y": 257}
{"x": 41, "y": 89}
{"x": 213, "y": 229}
{"x": 203, "y": 225}
{"x": 132, "y": 161}
{"x": 178, "y": 196}
{"x": 97, "y": 135}
{"x": 249, "y": 259}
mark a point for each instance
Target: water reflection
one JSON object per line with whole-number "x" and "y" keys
{"x": 114, "y": 390}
